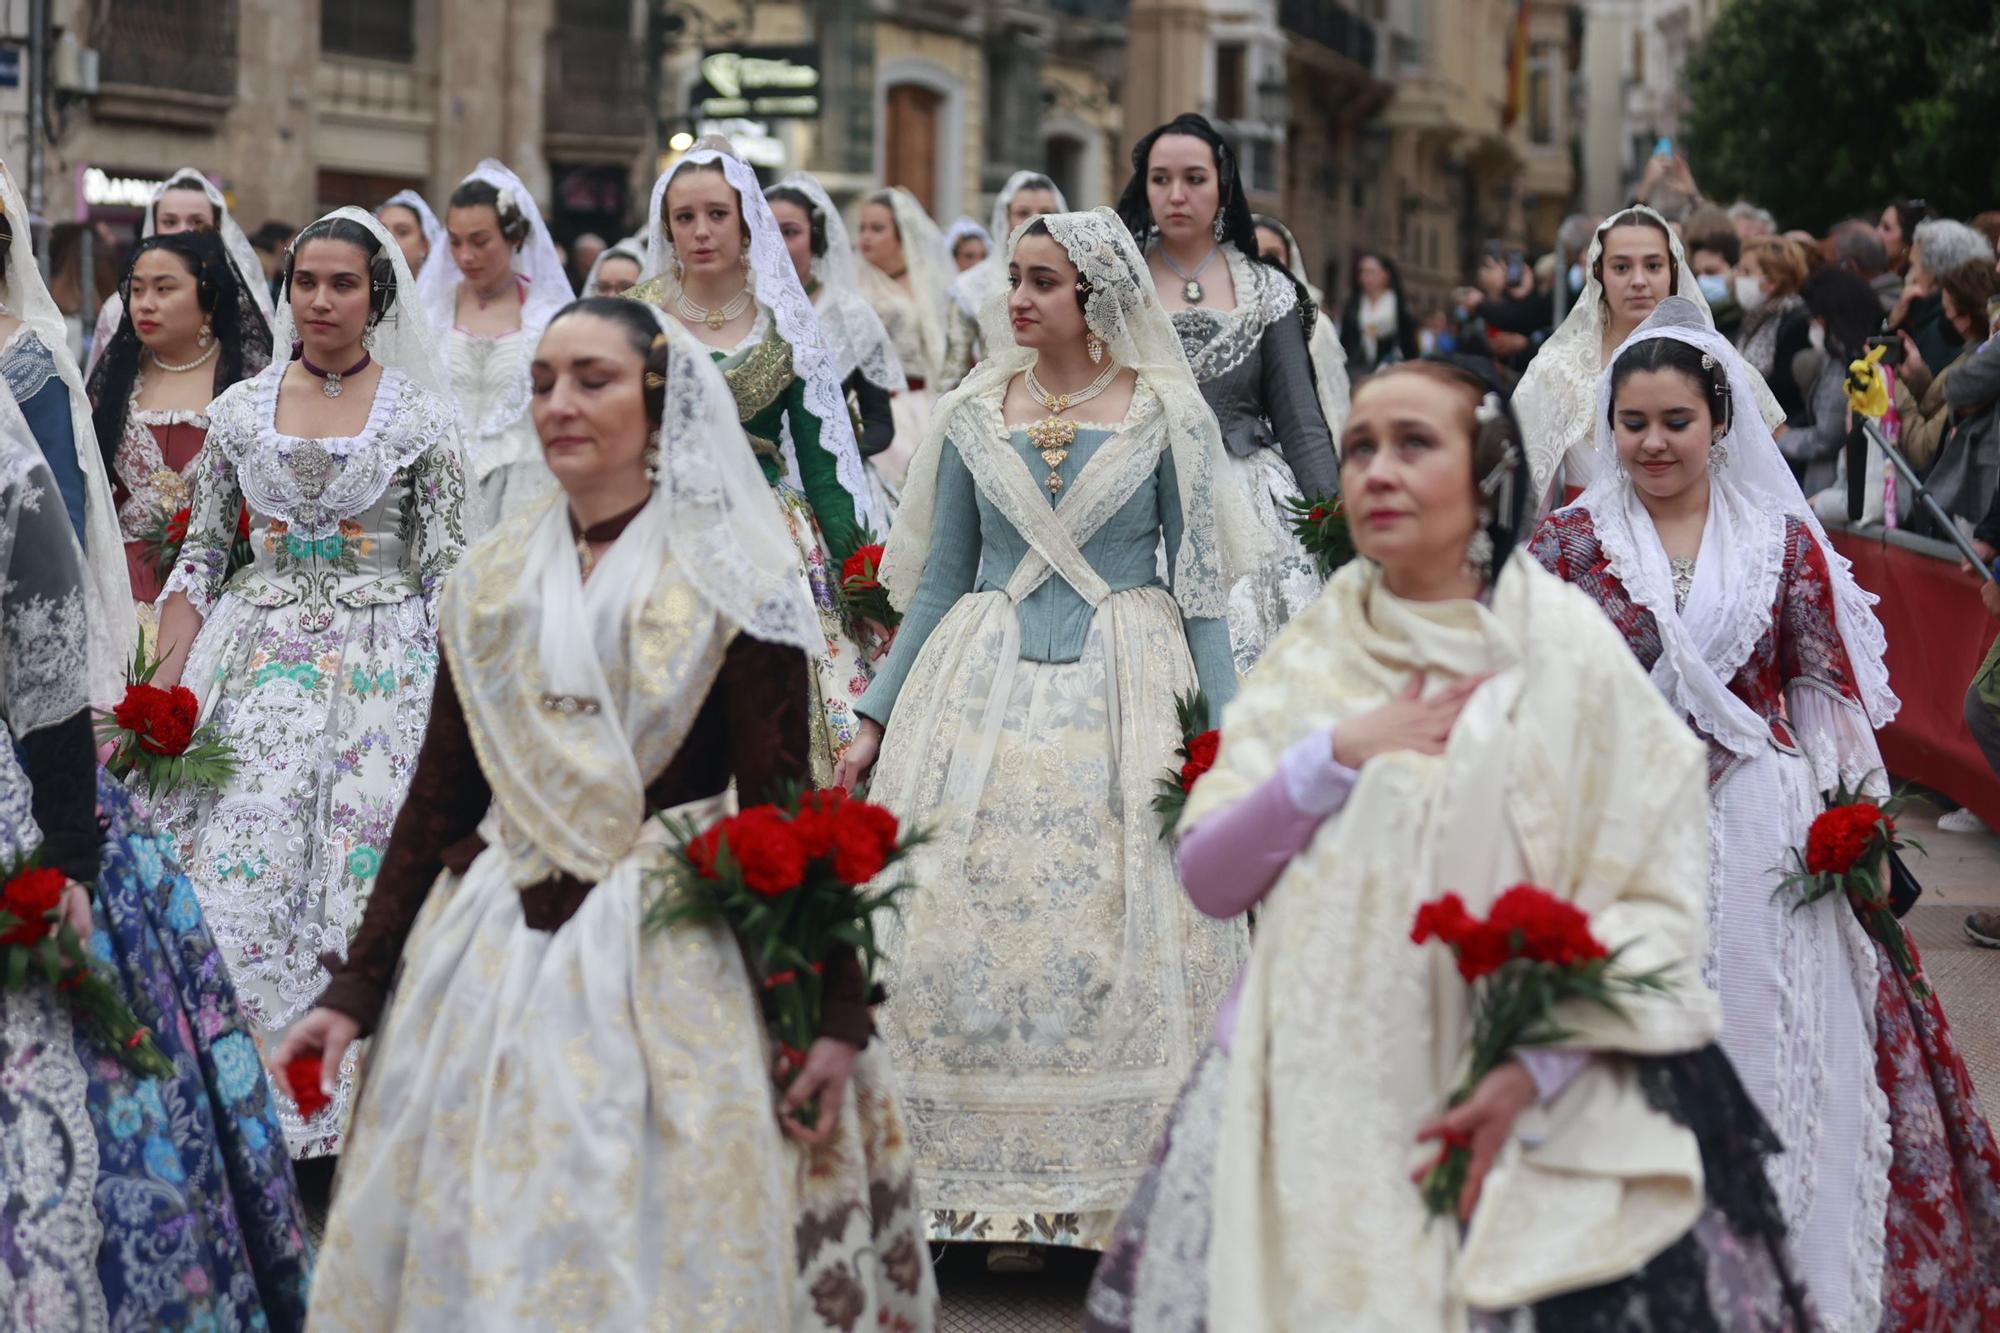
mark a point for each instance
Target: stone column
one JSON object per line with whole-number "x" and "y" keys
{"x": 1166, "y": 63}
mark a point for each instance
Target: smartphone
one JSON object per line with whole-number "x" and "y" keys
{"x": 1892, "y": 345}
{"x": 1663, "y": 147}
{"x": 1517, "y": 268}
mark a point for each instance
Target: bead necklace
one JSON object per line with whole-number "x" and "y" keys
{"x": 1052, "y": 436}
{"x": 716, "y": 318}
{"x": 184, "y": 366}
{"x": 1191, "y": 288}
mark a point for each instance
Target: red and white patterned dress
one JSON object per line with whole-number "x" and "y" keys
{"x": 1910, "y": 1145}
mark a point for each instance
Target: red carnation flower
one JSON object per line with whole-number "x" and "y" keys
{"x": 30, "y": 896}
{"x": 1840, "y": 837}
{"x": 162, "y": 719}
{"x": 701, "y": 850}
{"x": 177, "y": 527}
{"x": 1550, "y": 930}
{"x": 863, "y": 839}
{"x": 1444, "y": 919}
{"x": 767, "y": 851}
{"x": 302, "y": 1077}
{"x": 817, "y": 819}
{"x": 1201, "y": 757}
{"x": 1318, "y": 514}
{"x": 242, "y": 523}
{"x": 860, "y": 569}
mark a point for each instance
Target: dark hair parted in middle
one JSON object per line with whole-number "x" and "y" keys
{"x": 815, "y": 220}
{"x": 381, "y": 268}
{"x": 642, "y": 334}
{"x": 1711, "y": 381}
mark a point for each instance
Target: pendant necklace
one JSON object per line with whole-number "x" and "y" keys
{"x": 485, "y": 300}
{"x": 1052, "y": 436}
{"x": 184, "y": 366}
{"x": 332, "y": 388}
{"x": 1191, "y": 288}
{"x": 716, "y": 318}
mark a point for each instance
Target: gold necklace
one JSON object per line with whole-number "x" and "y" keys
{"x": 1052, "y": 436}
{"x": 715, "y": 318}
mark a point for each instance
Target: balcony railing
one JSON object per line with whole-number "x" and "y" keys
{"x": 1333, "y": 25}
{"x": 597, "y": 84}
{"x": 186, "y": 46}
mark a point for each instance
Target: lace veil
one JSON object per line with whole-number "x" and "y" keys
{"x": 777, "y": 287}
{"x": 548, "y": 291}
{"x": 929, "y": 269}
{"x": 1555, "y": 397}
{"x": 435, "y": 242}
{"x": 113, "y": 629}
{"x": 972, "y": 289}
{"x": 403, "y": 337}
{"x": 1218, "y": 542}
{"x": 1742, "y": 554}
{"x": 631, "y": 247}
{"x": 853, "y": 330}
{"x": 42, "y": 606}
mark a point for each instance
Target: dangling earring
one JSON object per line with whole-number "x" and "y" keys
{"x": 1718, "y": 454}
{"x": 650, "y": 455}
{"x": 1220, "y": 228}
{"x": 368, "y": 337}
{"x": 206, "y": 338}
{"x": 743, "y": 261}
{"x": 1095, "y": 346}
{"x": 680, "y": 269}
{"x": 1479, "y": 555}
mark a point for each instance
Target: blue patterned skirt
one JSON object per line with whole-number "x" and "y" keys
{"x": 203, "y": 1228}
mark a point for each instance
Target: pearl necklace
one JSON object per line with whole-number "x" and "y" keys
{"x": 185, "y": 366}
{"x": 716, "y": 318}
{"x": 1052, "y": 436}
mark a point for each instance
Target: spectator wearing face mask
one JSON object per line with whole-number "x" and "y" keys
{"x": 1572, "y": 244}
{"x": 1857, "y": 247}
{"x": 1940, "y": 246}
{"x": 1714, "y": 250}
{"x": 1769, "y": 276}
{"x": 1949, "y": 418}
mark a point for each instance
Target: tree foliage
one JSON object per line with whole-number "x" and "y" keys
{"x": 1821, "y": 109}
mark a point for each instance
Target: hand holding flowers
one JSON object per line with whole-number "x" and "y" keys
{"x": 1847, "y": 850}
{"x": 152, "y": 732}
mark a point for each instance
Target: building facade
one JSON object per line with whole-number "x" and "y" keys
{"x": 1634, "y": 55}
{"x": 297, "y": 106}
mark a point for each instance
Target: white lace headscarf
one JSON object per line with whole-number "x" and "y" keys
{"x": 402, "y": 338}
{"x": 631, "y": 247}
{"x": 1555, "y": 398}
{"x": 711, "y": 516}
{"x": 1218, "y": 541}
{"x": 928, "y": 268}
{"x": 548, "y": 291}
{"x": 435, "y": 243}
{"x": 242, "y": 258}
{"x": 972, "y": 289}
{"x": 775, "y": 283}
{"x": 113, "y": 629}
{"x": 1706, "y": 642}
{"x": 853, "y": 329}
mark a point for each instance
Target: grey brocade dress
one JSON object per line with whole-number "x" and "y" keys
{"x": 1255, "y": 372}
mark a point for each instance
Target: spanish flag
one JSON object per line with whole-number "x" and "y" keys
{"x": 1517, "y": 67}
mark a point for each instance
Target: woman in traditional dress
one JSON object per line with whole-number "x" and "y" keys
{"x": 126, "y": 1202}
{"x": 905, "y": 275}
{"x": 1448, "y": 718}
{"x": 1048, "y": 983}
{"x": 314, "y": 663}
{"x": 968, "y": 243}
{"x": 1026, "y": 195}
{"x": 1246, "y": 329}
{"x": 1276, "y": 245}
{"x": 43, "y": 381}
{"x": 189, "y": 201}
{"x": 863, "y": 355}
{"x": 569, "y": 1110}
{"x": 1635, "y": 262}
{"x": 416, "y": 228}
{"x": 617, "y": 269}
{"x": 487, "y": 309}
{"x": 187, "y": 333}
{"x": 718, "y": 265}
{"x": 1703, "y": 553}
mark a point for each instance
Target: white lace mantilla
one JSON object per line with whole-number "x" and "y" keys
{"x": 1218, "y": 341}
{"x": 311, "y": 485}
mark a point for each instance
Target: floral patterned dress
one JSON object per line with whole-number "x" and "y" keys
{"x": 1890, "y": 1176}
{"x": 316, "y": 663}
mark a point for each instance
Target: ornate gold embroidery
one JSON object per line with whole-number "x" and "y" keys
{"x": 761, "y": 376}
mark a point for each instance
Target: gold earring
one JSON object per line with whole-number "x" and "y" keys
{"x": 1095, "y": 346}
{"x": 680, "y": 269}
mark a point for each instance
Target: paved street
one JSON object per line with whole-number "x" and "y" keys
{"x": 1961, "y": 872}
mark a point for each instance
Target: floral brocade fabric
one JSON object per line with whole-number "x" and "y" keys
{"x": 1802, "y": 642}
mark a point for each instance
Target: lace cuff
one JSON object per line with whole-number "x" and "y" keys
{"x": 1836, "y": 737}
{"x": 201, "y": 585}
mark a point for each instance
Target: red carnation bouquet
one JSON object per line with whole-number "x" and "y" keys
{"x": 861, "y": 587}
{"x": 1533, "y": 952}
{"x": 1847, "y": 851}
{"x": 789, "y": 878}
{"x": 38, "y": 947}
{"x": 1196, "y": 752}
{"x": 1321, "y": 527}
{"x": 164, "y": 536}
{"x": 153, "y": 733}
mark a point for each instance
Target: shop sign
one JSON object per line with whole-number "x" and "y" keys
{"x": 760, "y": 83}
